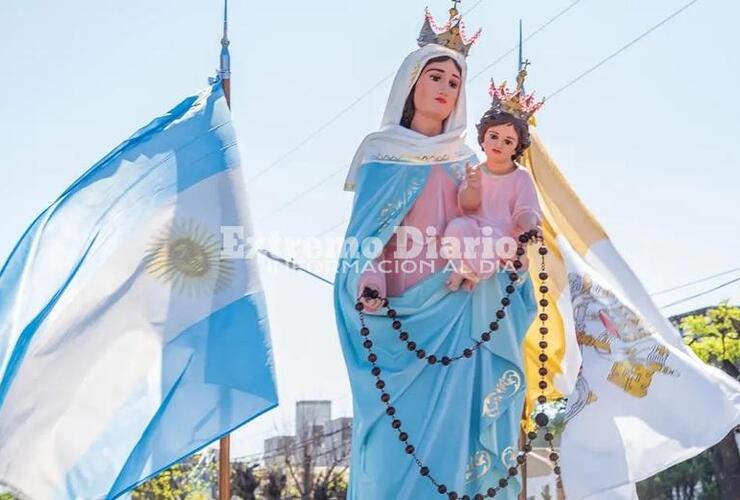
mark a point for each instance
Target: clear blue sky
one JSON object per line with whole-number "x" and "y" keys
{"x": 648, "y": 140}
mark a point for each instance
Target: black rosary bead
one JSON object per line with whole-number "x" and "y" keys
{"x": 364, "y": 331}
{"x": 544, "y": 302}
{"x": 391, "y": 410}
{"x": 368, "y": 344}
{"x": 505, "y": 301}
{"x": 391, "y": 313}
{"x": 541, "y": 399}
{"x": 520, "y": 251}
{"x": 385, "y": 397}
{"x": 411, "y": 346}
{"x": 543, "y": 384}
{"x": 420, "y": 354}
{"x": 396, "y": 423}
{"x": 543, "y": 276}
{"x": 512, "y": 471}
{"x": 404, "y": 336}
{"x": 442, "y": 489}
{"x": 491, "y": 492}
{"x": 554, "y": 457}
{"x": 396, "y": 325}
{"x": 446, "y": 360}
{"x": 500, "y": 314}
{"x": 467, "y": 353}
{"x": 403, "y": 437}
{"x": 493, "y": 325}
{"x": 543, "y": 372}
{"x": 543, "y": 316}
{"x": 549, "y": 436}
{"x": 409, "y": 449}
{"x": 541, "y": 419}
{"x": 532, "y": 435}
{"x": 424, "y": 471}
{"x": 380, "y": 384}
{"x": 544, "y": 289}
{"x": 510, "y": 289}
{"x": 543, "y": 251}
{"x": 359, "y": 306}
{"x": 372, "y": 357}
{"x": 544, "y": 330}
{"x": 432, "y": 359}
{"x": 543, "y": 344}
{"x": 543, "y": 357}
{"x": 503, "y": 483}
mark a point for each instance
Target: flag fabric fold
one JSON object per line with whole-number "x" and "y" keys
{"x": 133, "y": 327}
{"x": 640, "y": 400}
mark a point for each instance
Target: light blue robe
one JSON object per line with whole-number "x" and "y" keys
{"x": 462, "y": 419}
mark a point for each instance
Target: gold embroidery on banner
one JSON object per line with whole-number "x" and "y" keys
{"x": 619, "y": 335}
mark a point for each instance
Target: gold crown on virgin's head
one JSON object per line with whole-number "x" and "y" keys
{"x": 515, "y": 102}
{"x": 451, "y": 35}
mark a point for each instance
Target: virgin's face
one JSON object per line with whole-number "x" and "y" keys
{"x": 500, "y": 142}
{"x": 437, "y": 90}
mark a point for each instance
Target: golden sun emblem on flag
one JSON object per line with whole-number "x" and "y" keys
{"x": 188, "y": 257}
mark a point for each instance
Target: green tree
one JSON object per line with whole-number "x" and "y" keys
{"x": 187, "y": 480}
{"x": 715, "y": 338}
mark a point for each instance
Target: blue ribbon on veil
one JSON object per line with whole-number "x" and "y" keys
{"x": 463, "y": 419}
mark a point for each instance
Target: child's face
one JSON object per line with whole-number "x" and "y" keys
{"x": 437, "y": 90}
{"x": 500, "y": 142}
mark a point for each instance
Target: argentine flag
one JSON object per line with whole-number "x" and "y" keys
{"x": 133, "y": 328}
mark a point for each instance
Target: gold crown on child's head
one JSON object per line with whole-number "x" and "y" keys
{"x": 451, "y": 35}
{"x": 515, "y": 102}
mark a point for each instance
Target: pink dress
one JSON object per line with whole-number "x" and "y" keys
{"x": 504, "y": 198}
{"x": 435, "y": 205}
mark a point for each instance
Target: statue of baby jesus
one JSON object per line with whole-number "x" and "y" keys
{"x": 498, "y": 199}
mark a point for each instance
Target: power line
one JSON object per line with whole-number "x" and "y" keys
{"x": 695, "y": 282}
{"x": 304, "y": 193}
{"x": 621, "y": 49}
{"x": 705, "y": 292}
{"x": 333, "y": 119}
{"x": 533, "y": 34}
{"x": 588, "y": 71}
{"x": 368, "y": 92}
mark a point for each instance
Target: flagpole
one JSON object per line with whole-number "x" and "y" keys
{"x": 224, "y": 73}
{"x": 522, "y": 437}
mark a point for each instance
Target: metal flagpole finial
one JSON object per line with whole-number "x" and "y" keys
{"x": 522, "y": 63}
{"x": 225, "y": 70}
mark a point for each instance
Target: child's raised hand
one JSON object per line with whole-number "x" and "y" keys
{"x": 472, "y": 176}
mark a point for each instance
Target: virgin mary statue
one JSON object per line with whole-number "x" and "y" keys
{"x": 436, "y": 409}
